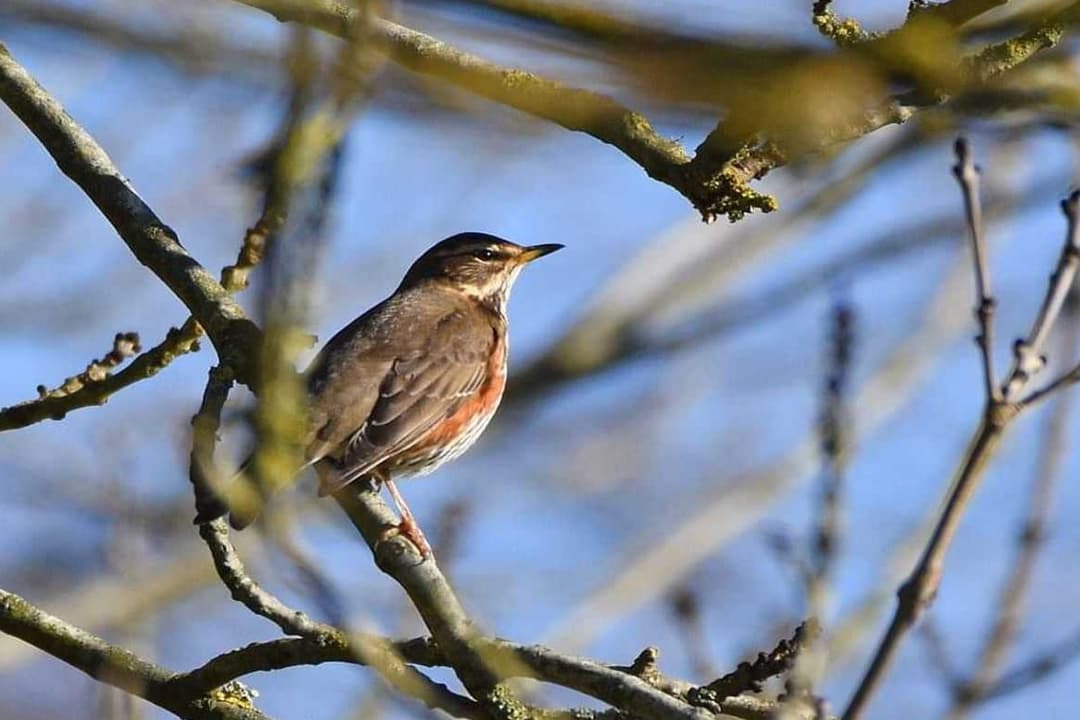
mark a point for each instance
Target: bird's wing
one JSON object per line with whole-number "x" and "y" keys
{"x": 419, "y": 389}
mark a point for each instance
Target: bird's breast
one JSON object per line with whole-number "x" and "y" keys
{"x": 452, "y": 437}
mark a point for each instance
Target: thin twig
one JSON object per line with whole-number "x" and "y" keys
{"x": 227, "y": 562}
{"x": 685, "y": 604}
{"x": 748, "y": 677}
{"x": 1028, "y": 353}
{"x": 834, "y": 433}
{"x": 967, "y": 174}
{"x": 1014, "y": 591}
{"x": 177, "y": 342}
{"x": 918, "y": 591}
{"x": 1036, "y": 668}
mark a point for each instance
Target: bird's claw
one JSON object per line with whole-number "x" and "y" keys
{"x": 409, "y": 530}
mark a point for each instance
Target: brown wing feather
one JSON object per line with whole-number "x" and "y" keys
{"x": 419, "y": 390}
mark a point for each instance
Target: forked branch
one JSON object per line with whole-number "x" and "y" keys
{"x": 918, "y": 591}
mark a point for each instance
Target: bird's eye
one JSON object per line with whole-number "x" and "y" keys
{"x": 485, "y": 254}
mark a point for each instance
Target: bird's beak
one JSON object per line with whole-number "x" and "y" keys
{"x": 537, "y": 251}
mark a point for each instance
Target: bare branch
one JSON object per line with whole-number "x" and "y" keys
{"x": 227, "y": 562}
{"x": 109, "y": 664}
{"x": 177, "y": 342}
{"x": 723, "y": 190}
{"x": 835, "y": 435}
{"x": 967, "y": 174}
{"x": 639, "y": 690}
{"x": 1028, "y": 353}
{"x": 429, "y": 591}
{"x": 716, "y": 179}
{"x": 748, "y": 677}
{"x": 56, "y": 406}
{"x": 153, "y": 243}
{"x": 1015, "y": 589}
{"x": 380, "y": 654}
{"x": 248, "y": 592}
{"x": 1036, "y": 668}
{"x": 125, "y": 345}
{"x": 918, "y": 591}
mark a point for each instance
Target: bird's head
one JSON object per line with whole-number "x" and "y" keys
{"x": 480, "y": 265}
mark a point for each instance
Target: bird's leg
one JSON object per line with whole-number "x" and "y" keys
{"x": 407, "y": 527}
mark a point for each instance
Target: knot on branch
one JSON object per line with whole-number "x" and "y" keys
{"x": 1000, "y": 414}
{"x": 1029, "y": 360}
{"x": 916, "y": 595}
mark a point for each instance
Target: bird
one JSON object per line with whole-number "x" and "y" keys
{"x": 413, "y": 382}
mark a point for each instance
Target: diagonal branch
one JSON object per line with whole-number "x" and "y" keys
{"x": 917, "y": 593}
{"x": 451, "y": 628}
{"x": 177, "y": 342}
{"x": 1036, "y": 668}
{"x": 967, "y": 174}
{"x": 110, "y": 664}
{"x": 56, "y": 406}
{"x": 1028, "y": 355}
{"x": 1002, "y": 633}
{"x": 152, "y": 242}
{"x": 573, "y": 108}
{"x": 716, "y": 178}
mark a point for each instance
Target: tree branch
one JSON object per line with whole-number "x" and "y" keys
{"x": 110, "y": 664}
{"x": 1036, "y": 668}
{"x": 427, "y": 588}
{"x": 716, "y": 179}
{"x": 177, "y": 342}
{"x": 152, "y": 242}
{"x": 968, "y": 691}
{"x": 631, "y": 689}
{"x": 917, "y": 593}
{"x": 1028, "y": 353}
{"x": 967, "y": 174}
{"x": 55, "y": 407}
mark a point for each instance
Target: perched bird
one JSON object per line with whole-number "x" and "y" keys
{"x": 412, "y": 383}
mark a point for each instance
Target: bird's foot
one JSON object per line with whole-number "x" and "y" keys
{"x": 409, "y": 530}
